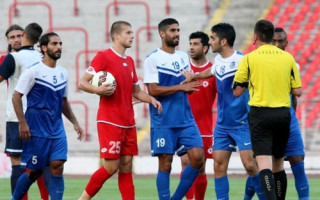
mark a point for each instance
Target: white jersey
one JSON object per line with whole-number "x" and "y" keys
{"x": 21, "y": 60}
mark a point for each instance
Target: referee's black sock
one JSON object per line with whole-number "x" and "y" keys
{"x": 267, "y": 183}
{"x": 15, "y": 174}
{"x": 280, "y": 180}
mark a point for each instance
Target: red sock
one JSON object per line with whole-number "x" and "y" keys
{"x": 126, "y": 186}
{"x": 96, "y": 181}
{"x": 25, "y": 197}
{"x": 43, "y": 189}
{"x": 200, "y": 185}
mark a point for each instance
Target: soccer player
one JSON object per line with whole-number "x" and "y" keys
{"x": 232, "y": 127}
{"x": 115, "y": 120}
{"x": 295, "y": 148}
{"x": 175, "y": 127}
{"x": 271, "y": 74}
{"x": 201, "y": 101}
{"x": 41, "y": 127}
{"x": 18, "y": 61}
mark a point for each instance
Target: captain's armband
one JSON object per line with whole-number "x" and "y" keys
{"x": 235, "y": 84}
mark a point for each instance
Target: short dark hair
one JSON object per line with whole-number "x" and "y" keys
{"x": 225, "y": 30}
{"x": 116, "y": 27}
{"x": 45, "y": 39}
{"x": 280, "y": 30}
{"x": 201, "y": 35}
{"x": 13, "y": 27}
{"x": 162, "y": 26}
{"x": 265, "y": 30}
{"x": 33, "y": 32}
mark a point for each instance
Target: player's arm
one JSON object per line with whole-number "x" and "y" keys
{"x": 23, "y": 125}
{"x": 241, "y": 80}
{"x": 156, "y": 90}
{"x": 68, "y": 113}
{"x": 144, "y": 97}
{"x": 103, "y": 90}
{"x": 294, "y": 102}
{"x": 295, "y": 81}
{"x": 190, "y": 76}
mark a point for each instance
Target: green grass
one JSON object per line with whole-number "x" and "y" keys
{"x": 145, "y": 189}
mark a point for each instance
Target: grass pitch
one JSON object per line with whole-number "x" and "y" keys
{"x": 145, "y": 188}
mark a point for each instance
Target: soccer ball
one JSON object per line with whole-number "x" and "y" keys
{"x": 102, "y": 78}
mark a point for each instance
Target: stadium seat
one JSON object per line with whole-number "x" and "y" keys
{"x": 298, "y": 18}
{"x": 314, "y": 17}
{"x": 304, "y": 36}
{"x": 294, "y": 26}
{"x": 284, "y": 18}
{"x": 312, "y": 93}
{"x": 317, "y": 37}
{"x": 309, "y": 26}
{"x": 289, "y": 10}
{"x": 279, "y": 1}
{"x": 309, "y": 1}
{"x": 274, "y": 10}
{"x": 290, "y": 37}
{"x": 294, "y": 1}
{"x": 304, "y": 9}
{"x": 317, "y": 9}
{"x": 302, "y": 61}
{"x": 307, "y": 53}
{"x": 270, "y": 17}
{"x": 312, "y": 68}
{"x": 299, "y": 45}
{"x": 314, "y": 45}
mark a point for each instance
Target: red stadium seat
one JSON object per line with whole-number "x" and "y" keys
{"x": 314, "y": 45}
{"x": 304, "y": 36}
{"x": 294, "y": 1}
{"x": 317, "y": 9}
{"x": 314, "y": 17}
{"x": 299, "y": 45}
{"x": 274, "y": 10}
{"x": 270, "y": 17}
{"x": 309, "y": 26}
{"x": 309, "y": 1}
{"x": 312, "y": 93}
{"x": 284, "y": 18}
{"x": 304, "y": 9}
{"x": 279, "y": 1}
{"x": 294, "y": 26}
{"x": 289, "y": 10}
{"x": 317, "y": 37}
{"x": 307, "y": 53}
{"x": 290, "y": 37}
{"x": 299, "y": 18}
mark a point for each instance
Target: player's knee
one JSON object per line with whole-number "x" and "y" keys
{"x": 34, "y": 175}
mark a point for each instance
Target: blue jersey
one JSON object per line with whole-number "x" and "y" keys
{"x": 232, "y": 111}
{"x": 45, "y": 88}
{"x": 165, "y": 69}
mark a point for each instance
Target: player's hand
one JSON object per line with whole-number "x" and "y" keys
{"x": 79, "y": 131}
{"x": 105, "y": 89}
{"x": 191, "y": 86}
{"x": 156, "y": 104}
{"x": 24, "y": 131}
{"x": 189, "y": 74}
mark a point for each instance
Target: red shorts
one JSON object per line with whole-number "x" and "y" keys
{"x": 115, "y": 141}
{"x": 207, "y": 147}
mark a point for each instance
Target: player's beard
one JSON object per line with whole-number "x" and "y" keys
{"x": 54, "y": 55}
{"x": 171, "y": 43}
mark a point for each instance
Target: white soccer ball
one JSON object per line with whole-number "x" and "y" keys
{"x": 103, "y": 77}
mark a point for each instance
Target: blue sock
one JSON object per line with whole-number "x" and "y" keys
{"x": 17, "y": 171}
{"x": 188, "y": 176}
{"x": 222, "y": 188}
{"x": 46, "y": 175}
{"x": 22, "y": 187}
{"x": 56, "y": 187}
{"x": 163, "y": 185}
{"x": 258, "y": 187}
{"x": 249, "y": 190}
{"x": 301, "y": 181}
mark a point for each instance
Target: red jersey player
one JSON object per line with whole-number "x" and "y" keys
{"x": 201, "y": 103}
{"x": 115, "y": 120}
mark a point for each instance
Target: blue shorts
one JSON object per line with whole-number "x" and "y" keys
{"x": 229, "y": 138}
{"x": 295, "y": 146}
{"x": 13, "y": 142}
{"x": 169, "y": 140}
{"x": 38, "y": 152}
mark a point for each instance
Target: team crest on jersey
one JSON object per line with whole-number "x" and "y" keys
{"x": 205, "y": 84}
{"x": 232, "y": 64}
{"x": 222, "y": 69}
{"x": 61, "y": 76}
{"x": 125, "y": 64}
{"x": 182, "y": 61}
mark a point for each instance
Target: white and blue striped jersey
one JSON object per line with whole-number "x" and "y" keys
{"x": 12, "y": 67}
{"x": 45, "y": 88}
{"x": 232, "y": 111}
{"x": 165, "y": 69}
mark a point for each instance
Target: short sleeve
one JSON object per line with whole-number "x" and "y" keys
{"x": 242, "y": 73}
{"x": 151, "y": 74}
{"x": 25, "y": 82}
{"x": 96, "y": 64}
{"x": 295, "y": 77}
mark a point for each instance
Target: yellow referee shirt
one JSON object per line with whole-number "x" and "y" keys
{"x": 271, "y": 74}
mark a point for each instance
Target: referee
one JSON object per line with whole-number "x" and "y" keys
{"x": 271, "y": 75}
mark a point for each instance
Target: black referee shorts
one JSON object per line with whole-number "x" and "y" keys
{"x": 269, "y": 128}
